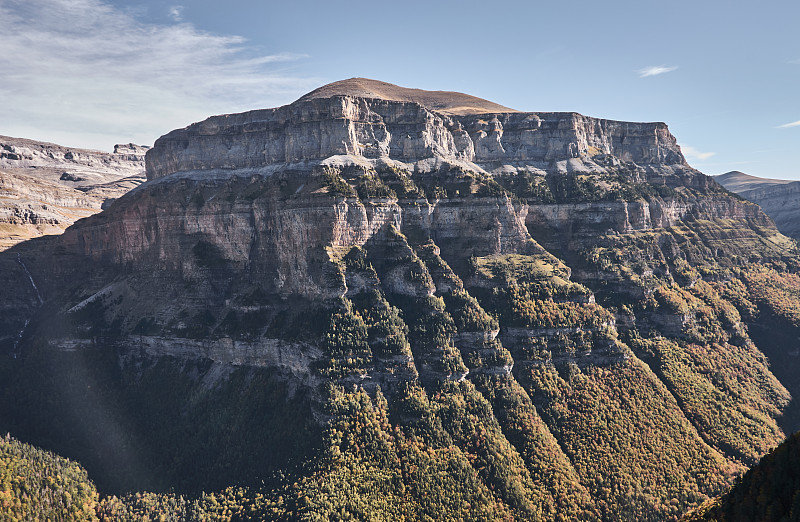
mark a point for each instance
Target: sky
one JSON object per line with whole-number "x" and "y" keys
{"x": 724, "y": 75}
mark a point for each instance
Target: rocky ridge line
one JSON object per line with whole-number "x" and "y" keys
{"x": 45, "y": 187}
{"x": 779, "y": 198}
{"x": 346, "y": 128}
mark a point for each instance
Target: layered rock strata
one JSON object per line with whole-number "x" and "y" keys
{"x": 374, "y": 129}
{"x": 455, "y": 258}
{"x": 278, "y": 196}
{"x": 44, "y": 187}
{"x": 779, "y": 198}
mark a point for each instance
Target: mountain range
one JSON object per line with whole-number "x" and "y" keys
{"x": 386, "y": 303}
{"x": 777, "y": 197}
{"x": 44, "y": 187}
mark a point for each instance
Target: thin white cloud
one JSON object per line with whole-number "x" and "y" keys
{"x": 792, "y": 124}
{"x": 176, "y": 13}
{"x": 656, "y": 70}
{"x": 692, "y": 153}
{"x": 85, "y": 73}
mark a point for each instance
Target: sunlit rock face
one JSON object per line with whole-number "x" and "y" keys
{"x": 429, "y": 244}
{"x": 353, "y": 121}
{"x": 44, "y": 187}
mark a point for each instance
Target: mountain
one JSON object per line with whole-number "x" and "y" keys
{"x": 445, "y": 102}
{"x": 739, "y": 182}
{"x": 779, "y": 198}
{"x": 44, "y": 188}
{"x": 386, "y": 303}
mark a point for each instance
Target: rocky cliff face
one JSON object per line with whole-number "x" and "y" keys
{"x": 95, "y": 166}
{"x": 780, "y": 199}
{"x": 44, "y": 187}
{"x": 499, "y": 284}
{"x": 375, "y": 130}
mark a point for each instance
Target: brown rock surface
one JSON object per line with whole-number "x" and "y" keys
{"x": 446, "y": 102}
{"x": 44, "y": 187}
{"x": 330, "y": 125}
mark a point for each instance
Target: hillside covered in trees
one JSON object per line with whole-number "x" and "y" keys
{"x": 770, "y": 491}
{"x": 361, "y": 306}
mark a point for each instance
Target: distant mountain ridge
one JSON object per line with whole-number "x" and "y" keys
{"x": 446, "y": 102}
{"x": 45, "y": 187}
{"x": 737, "y": 181}
{"x": 779, "y": 198}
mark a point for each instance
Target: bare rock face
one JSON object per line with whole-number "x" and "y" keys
{"x": 373, "y": 237}
{"x": 44, "y": 187}
{"x": 31, "y": 207}
{"x": 92, "y": 166}
{"x": 581, "y": 177}
{"x": 779, "y": 198}
{"x": 350, "y": 120}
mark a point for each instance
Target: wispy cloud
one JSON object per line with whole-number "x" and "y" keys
{"x": 787, "y": 125}
{"x": 655, "y": 70}
{"x": 86, "y": 73}
{"x": 176, "y": 13}
{"x": 692, "y": 153}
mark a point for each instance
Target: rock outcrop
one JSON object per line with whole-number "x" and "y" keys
{"x": 505, "y": 282}
{"x": 44, "y": 187}
{"x": 779, "y": 198}
{"x": 92, "y": 166}
{"x": 364, "y": 127}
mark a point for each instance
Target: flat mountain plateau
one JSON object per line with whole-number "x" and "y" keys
{"x": 44, "y": 187}
{"x": 386, "y": 303}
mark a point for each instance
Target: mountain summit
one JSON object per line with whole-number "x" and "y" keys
{"x": 779, "y": 198}
{"x": 445, "y": 102}
{"x": 364, "y": 121}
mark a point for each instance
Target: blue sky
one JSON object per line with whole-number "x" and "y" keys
{"x": 725, "y": 76}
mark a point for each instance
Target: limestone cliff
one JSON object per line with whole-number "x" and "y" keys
{"x": 44, "y": 187}
{"x": 268, "y": 202}
{"x": 92, "y": 165}
{"x": 364, "y": 127}
{"x": 779, "y": 198}
{"x": 505, "y": 282}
